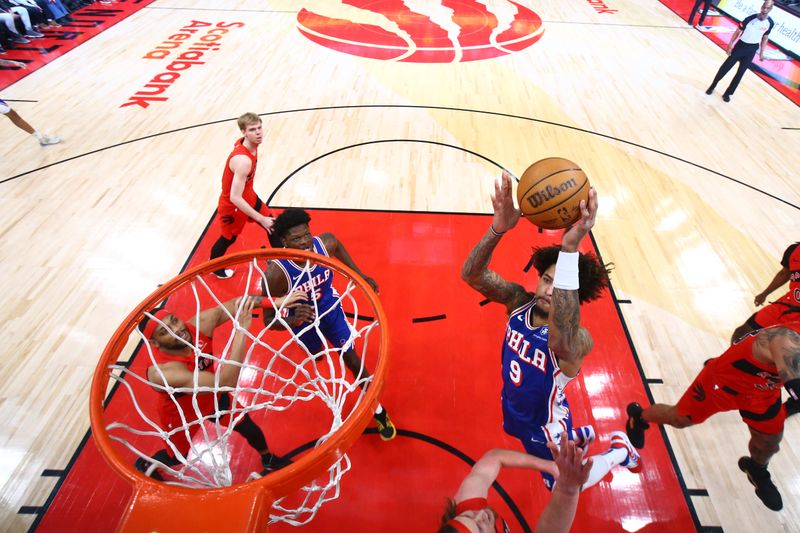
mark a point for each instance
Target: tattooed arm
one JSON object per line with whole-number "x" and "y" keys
{"x": 567, "y": 338}
{"x": 783, "y": 346}
{"x": 475, "y": 270}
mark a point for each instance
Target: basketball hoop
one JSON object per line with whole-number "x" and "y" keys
{"x": 279, "y": 380}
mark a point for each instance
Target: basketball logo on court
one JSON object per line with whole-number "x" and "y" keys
{"x": 421, "y": 31}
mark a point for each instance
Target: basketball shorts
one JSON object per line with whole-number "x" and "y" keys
{"x": 535, "y": 443}
{"x": 772, "y": 313}
{"x": 4, "y": 108}
{"x": 171, "y": 419}
{"x": 232, "y": 220}
{"x": 708, "y": 395}
{"x": 334, "y": 327}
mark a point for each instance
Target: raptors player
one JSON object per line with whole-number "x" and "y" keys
{"x": 782, "y": 309}
{"x": 748, "y": 378}
{"x": 291, "y": 230}
{"x": 238, "y": 201}
{"x": 545, "y": 343}
{"x": 172, "y": 344}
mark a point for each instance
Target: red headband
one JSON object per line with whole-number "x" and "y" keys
{"x": 152, "y": 324}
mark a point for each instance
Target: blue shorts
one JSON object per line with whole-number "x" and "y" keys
{"x": 334, "y": 327}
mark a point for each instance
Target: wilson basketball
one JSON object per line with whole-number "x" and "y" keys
{"x": 550, "y": 192}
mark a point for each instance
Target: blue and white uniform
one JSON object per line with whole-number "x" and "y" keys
{"x": 535, "y": 409}
{"x": 317, "y": 283}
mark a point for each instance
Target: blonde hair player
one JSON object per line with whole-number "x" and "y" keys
{"x": 238, "y": 202}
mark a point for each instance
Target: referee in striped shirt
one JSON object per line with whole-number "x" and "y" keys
{"x": 749, "y": 38}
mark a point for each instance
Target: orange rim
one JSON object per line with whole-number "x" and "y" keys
{"x": 281, "y": 482}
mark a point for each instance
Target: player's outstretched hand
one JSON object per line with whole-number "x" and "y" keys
{"x": 572, "y": 471}
{"x": 303, "y": 314}
{"x": 575, "y": 233}
{"x": 246, "y": 315}
{"x": 759, "y": 300}
{"x": 293, "y": 299}
{"x": 506, "y": 215}
{"x": 267, "y": 223}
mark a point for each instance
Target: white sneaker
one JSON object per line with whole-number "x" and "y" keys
{"x": 224, "y": 274}
{"x": 46, "y": 140}
{"x": 634, "y": 461}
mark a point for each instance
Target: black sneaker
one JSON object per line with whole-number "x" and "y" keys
{"x": 726, "y": 97}
{"x": 635, "y": 426}
{"x": 271, "y": 463}
{"x": 792, "y": 406}
{"x": 710, "y": 90}
{"x": 386, "y": 429}
{"x": 759, "y": 477}
{"x": 142, "y": 465}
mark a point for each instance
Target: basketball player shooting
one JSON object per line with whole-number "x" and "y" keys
{"x": 291, "y": 230}
{"x": 171, "y": 342}
{"x": 238, "y": 201}
{"x": 545, "y": 343}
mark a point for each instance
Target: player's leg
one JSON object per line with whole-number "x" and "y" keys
{"x": 698, "y": 402}
{"x": 766, "y": 433}
{"x": 337, "y": 331}
{"x": 620, "y": 452}
{"x": 248, "y": 429}
{"x": 231, "y": 225}
{"x": 22, "y": 124}
{"x": 706, "y": 6}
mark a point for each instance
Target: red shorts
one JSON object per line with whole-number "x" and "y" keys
{"x": 171, "y": 419}
{"x": 772, "y": 313}
{"x": 232, "y": 220}
{"x": 708, "y": 395}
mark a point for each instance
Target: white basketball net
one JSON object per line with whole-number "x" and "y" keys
{"x": 278, "y": 383}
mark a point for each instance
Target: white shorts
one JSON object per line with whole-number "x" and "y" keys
{"x": 4, "y": 108}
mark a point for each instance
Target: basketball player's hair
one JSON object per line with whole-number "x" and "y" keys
{"x": 592, "y": 274}
{"x": 247, "y": 119}
{"x": 449, "y": 514}
{"x": 142, "y": 327}
{"x": 290, "y": 218}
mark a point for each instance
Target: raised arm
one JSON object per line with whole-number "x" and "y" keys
{"x": 241, "y": 165}
{"x": 485, "y": 471}
{"x": 567, "y": 338}
{"x": 782, "y": 346}
{"x": 780, "y": 279}
{"x": 335, "y": 247}
{"x": 475, "y": 270}
{"x": 559, "y": 513}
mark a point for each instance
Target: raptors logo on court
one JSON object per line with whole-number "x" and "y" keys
{"x": 421, "y": 31}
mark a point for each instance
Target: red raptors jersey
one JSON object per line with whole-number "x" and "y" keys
{"x": 205, "y": 401}
{"x": 740, "y": 374}
{"x": 791, "y": 262}
{"x": 248, "y": 194}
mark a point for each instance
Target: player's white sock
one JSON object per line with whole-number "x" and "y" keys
{"x": 38, "y": 135}
{"x": 603, "y": 463}
{"x": 379, "y": 409}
